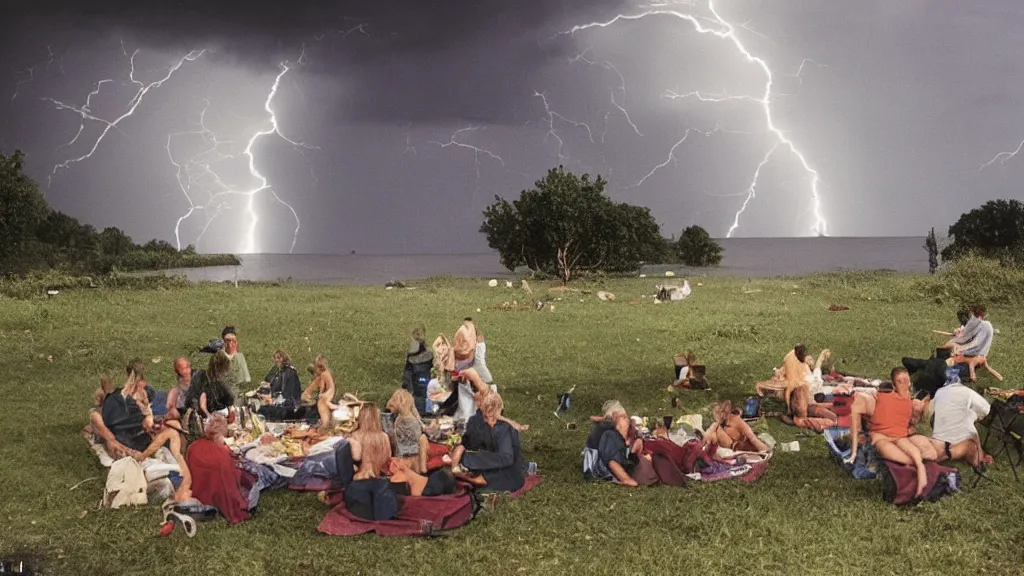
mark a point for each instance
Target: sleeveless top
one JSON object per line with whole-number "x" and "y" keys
{"x": 892, "y": 415}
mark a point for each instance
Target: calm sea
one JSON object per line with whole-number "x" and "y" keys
{"x": 743, "y": 257}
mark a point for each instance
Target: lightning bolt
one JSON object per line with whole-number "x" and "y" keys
{"x": 83, "y": 111}
{"x": 409, "y": 148}
{"x": 725, "y": 31}
{"x": 751, "y": 191}
{"x": 199, "y": 171}
{"x": 552, "y": 133}
{"x": 672, "y": 154}
{"x": 1002, "y": 157}
{"x": 31, "y": 72}
{"x": 582, "y": 57}
{"x": 454, "y": 141}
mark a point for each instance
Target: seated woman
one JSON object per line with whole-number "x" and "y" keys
{"x": 890, "y": 416}
{"x": 490, "y": 449}
{"x": 371, "y": 447}
{"x": 209, "y": 393}
{"x": 320, "y": 392}
{"x": 281, "y": 391}
{"x": 216, "y": 480}
{"x": 409, "y": 444}
{"x": 730, "y": 431}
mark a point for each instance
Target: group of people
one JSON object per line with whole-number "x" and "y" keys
{"x": 133, "y": 421}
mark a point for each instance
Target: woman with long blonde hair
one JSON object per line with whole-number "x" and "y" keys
{"x": 409, "y": 442}
{"x": 371, "y": 447}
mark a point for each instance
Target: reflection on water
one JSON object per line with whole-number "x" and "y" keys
{"x": 743, "y": 257}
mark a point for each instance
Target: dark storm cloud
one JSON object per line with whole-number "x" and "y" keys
{"x": 417, "y": 61}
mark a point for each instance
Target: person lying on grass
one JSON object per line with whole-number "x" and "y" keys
{"x": 124, "y": 419}
{"x": 890, "y": 416}
{"x": 408, "y": 442}
{"x": 806, "y": 413}
{"x": 490, "y": 452}
{"x": 731, "y": 431}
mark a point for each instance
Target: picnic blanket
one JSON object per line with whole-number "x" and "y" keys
{"x": 417, "y": 515}
{"x": 866, "y": 466}
{"x": 747, "y": 466}
{"x": 899, "y": 482}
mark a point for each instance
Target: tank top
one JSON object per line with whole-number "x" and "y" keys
{"x": 892, "y": 415}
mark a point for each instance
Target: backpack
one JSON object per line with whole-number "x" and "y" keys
{"x": 126, "y": 484}
{"x": 371, "y": 499}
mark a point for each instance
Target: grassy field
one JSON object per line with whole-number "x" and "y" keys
{"x": 806, "y": 516}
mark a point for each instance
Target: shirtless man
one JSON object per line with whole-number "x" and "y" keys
{"x": 890, "y": 416}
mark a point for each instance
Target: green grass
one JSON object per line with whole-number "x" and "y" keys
{"x": 806, "y": 516}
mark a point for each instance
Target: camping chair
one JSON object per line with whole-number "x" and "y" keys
{"x": 1007, "y": 423}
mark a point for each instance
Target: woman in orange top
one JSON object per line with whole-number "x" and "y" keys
{"x": 890, "y": 416}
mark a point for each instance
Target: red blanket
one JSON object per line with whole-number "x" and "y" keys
{"x": 417, "y": 515}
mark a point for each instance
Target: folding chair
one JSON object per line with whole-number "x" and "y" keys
{"x": 1007, "y": 423}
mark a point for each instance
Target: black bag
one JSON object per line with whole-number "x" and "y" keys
{"x": 371, "y": 499}
{"x": 415, "y": 379}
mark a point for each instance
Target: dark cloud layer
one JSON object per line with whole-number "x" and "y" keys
{"x": 413, "y": 60}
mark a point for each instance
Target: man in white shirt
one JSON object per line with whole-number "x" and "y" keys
{"x": 954, "y": 436}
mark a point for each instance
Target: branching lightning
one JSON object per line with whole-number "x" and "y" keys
{"x": 1002, "y": 157}
{"x": 552, "y": 133}
{"x": 477, "y": 151}
{"x": 86, "y": 115}
{"x": 26, "y": 75}
{"x": 198, "y": 171}
{"x": 672, "y": 154}
{"x": 620, "y": 106}
{"x": 723, "y": 30}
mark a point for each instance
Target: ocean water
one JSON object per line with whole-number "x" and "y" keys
{"x": 752, "y": 257}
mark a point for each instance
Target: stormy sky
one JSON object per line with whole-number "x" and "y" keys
{"x": 398, "y": 121}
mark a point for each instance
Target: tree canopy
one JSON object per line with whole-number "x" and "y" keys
{"x": 695, "y": 247}
{"x": 566, "y": 225}
{"x": 32, "y": 235}
{"x": 994, "y": 229}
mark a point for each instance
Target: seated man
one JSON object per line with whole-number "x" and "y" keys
{"x": 973, "y": 350}
{"x": 890, "y": 416}
{"x": 124, "y": 419}
{"x": 490, "y": 449}
{"x": 954, "y": 436}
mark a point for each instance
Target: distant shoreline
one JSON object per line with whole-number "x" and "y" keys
{"x": 743, "y": 257}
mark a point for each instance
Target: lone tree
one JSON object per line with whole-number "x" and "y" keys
{"x": 932, "y": 246}
{"x": 566, "y": 225}
{"x": 696, "y": 248}
{"x": 995, "y": 229}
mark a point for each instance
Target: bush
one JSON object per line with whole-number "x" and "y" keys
{"x": 696, "y": 248}
{"x": 35, "y": 284}
{"x": 972, "y": 278}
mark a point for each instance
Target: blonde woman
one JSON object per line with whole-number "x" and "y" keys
{"x": 410, "y": 444}
{"x": 371, "y": 447}
{"x": 490, "y": 449}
